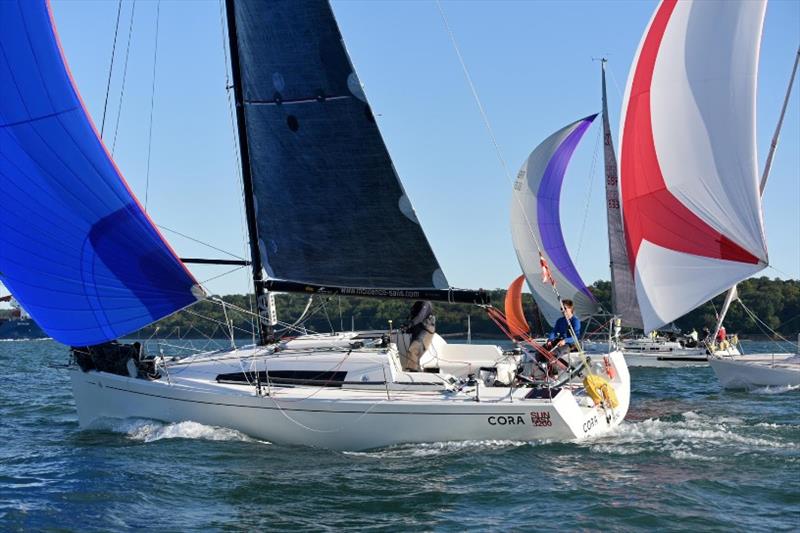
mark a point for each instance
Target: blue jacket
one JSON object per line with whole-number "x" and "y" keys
{"x": 561, "y": 330}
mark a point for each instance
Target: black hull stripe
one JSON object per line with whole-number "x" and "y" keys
{"x": 203, "y": 402}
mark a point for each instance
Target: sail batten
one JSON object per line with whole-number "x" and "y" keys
{"x": 76, "y": 248}
{"x": 691, "y": 207}
{"x": 535, "y": 219}
{"x": 329, "y": 205}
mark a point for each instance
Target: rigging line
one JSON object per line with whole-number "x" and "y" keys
{"x": 176, "y": 232}
{"x": 234, "y": 138}
{"x": 300, "y": 324}
{"x": 505, "y": 167}
{"x": 781, "y": 272}
{"x": 215, "y": 321}
{"x": 328, "y": 318}
{"x": 486, "y": 120}
{"x": 124, "y": 76}
{"x": 758, "y": 321}
{"x": 217, "y": 300}
{"x": 341, "y": 320}
{"x": 231, "y": 271}
{"x": 152, "y": 105}
{"x": 614, "y": 79}
{"x": 110, "y": 69}
{"x": 592, "y": 171}
{"x": 303, "y": 316}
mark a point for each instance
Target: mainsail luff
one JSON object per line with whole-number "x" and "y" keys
{"x": 76, "y": 248}
{"x": 623, "y": 291}
{"x": 329, "y": 206}
{"x": 257, "y": 268}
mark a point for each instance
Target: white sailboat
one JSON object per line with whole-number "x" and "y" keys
{"x": 691, "y": 193}
{"x": 765, "y": 370}
{"x": 776, "y": 369}
{"x": 326, "y": 215}
{"x": 665, "y": 353}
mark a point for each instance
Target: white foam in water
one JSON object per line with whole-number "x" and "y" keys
{"x": 776, "y": 390}
{"x": 151, "y": 431}
{"x": 402, "y": 451}
{"x": 695, "y": 437}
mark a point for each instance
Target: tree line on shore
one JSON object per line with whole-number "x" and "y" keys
{"x": 776, "y": 302}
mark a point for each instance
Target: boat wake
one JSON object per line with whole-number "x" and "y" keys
{"x": 692, "y": 436}
{"x": 775, "y": 390}
{"x": 416, "y": 450}
{"x": 152, "y": 431}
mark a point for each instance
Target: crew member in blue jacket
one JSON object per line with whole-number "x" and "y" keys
{"x": 561, "y": 336}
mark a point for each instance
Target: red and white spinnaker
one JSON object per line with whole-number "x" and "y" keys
{"x": 689, "y": 167}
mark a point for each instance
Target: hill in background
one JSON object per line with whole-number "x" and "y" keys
{"x": 774, "y": 301}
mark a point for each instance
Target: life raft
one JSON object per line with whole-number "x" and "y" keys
{"x": 600, "y": 390}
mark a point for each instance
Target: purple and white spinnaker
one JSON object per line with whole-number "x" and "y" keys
{"x": 535, "y": 218}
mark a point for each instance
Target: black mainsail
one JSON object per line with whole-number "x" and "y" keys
{"x": 327, "y": 207}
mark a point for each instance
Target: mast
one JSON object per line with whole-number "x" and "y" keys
{"x": 623, "y": 292}
{"x": 265, "y": 330}
{"x": 774, "y": 143}
{"x": 732, "y": 293}
{"x": 611, "y": 175}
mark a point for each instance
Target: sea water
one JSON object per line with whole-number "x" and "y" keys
{"x": 689, "y": 456}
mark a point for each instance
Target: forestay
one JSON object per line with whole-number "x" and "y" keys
{"x": 535, "y": 218}
{"x": 330, "y": 207}
{"x": 76, "y": 249}
{"x": 691, "y": 206}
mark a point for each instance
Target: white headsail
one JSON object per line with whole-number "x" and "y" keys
{"x": 689, "y": 176}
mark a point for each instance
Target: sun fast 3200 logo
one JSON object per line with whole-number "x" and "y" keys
{"x": 541, "y": 418}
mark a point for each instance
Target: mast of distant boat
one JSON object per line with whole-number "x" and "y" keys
{"x": 623, "y": 292}
{"x": 732, "y": 293}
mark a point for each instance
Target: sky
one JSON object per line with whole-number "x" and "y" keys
{"x": 533, "y": 68}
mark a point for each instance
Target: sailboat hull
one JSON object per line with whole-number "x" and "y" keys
{"x": 349, "y": 419}
{"x": 737, "y": 374}
{"x": 668, "y": 354}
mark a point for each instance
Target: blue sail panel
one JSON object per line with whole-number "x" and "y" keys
{"x": 76, "y": 248}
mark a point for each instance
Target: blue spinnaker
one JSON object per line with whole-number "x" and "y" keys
{"x": 76, "y": 248}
